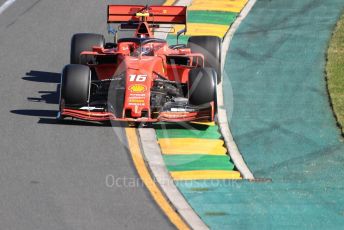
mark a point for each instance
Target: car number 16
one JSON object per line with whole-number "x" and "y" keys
{"x": 138, "y": 78}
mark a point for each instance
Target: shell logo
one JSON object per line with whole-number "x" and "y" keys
{"x": 137, "y": 88}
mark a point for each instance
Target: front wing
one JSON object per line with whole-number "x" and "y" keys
{"x": 166, "y": 116}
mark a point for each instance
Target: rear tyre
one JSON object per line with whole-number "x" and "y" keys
{"x": 75, "y": 86}
{"x": 210, "y": 47}
{"x": 202, "y": 87}
{"x": 84, "y": 42}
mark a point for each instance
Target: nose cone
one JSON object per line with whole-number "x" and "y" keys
{"x": 139, "y": 77}
{"x": 137, "y": 93}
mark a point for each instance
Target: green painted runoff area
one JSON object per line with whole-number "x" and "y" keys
{"x": 239, "y": 204}
{"x": 282, "y": 123}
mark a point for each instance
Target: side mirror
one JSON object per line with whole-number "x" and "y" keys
{"x": 180, "y": 32}
{"x": 112, "y": 31}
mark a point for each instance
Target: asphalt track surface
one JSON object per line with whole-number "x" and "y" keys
{"x": 53, "y": 176}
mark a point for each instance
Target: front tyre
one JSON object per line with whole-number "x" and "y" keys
{"x": 75, "y": 86}
{"x": 202, "y": 87}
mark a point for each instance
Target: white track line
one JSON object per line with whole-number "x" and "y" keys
{"x": 222, "y": 115}
{"x": 6, "y": 4}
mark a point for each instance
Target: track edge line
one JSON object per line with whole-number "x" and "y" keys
{"x": 222, "y": 114}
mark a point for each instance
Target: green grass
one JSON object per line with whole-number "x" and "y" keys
{"x": 335, "y": 72}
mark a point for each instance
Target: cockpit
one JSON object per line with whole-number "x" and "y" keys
{"x": 140, "y": 46}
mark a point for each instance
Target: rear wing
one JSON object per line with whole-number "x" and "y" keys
{"x": 150, "y": 14}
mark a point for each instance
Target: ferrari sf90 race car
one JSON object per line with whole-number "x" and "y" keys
{"x": 141, "y": 78}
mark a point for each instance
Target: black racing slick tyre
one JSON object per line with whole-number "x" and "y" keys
{"x": 75, "y": 86}
{"x": 210, "y": 47}
{"x": 84, "y": 42}
{"x": 202, "y": 86}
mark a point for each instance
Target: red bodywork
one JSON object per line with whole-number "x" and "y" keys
{"x": 142, "y": 70}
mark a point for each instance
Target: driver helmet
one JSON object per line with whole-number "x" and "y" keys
{"x": 146, "y": 51}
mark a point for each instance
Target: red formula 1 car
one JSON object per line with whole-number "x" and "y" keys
{"x": 141, "y": 78}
